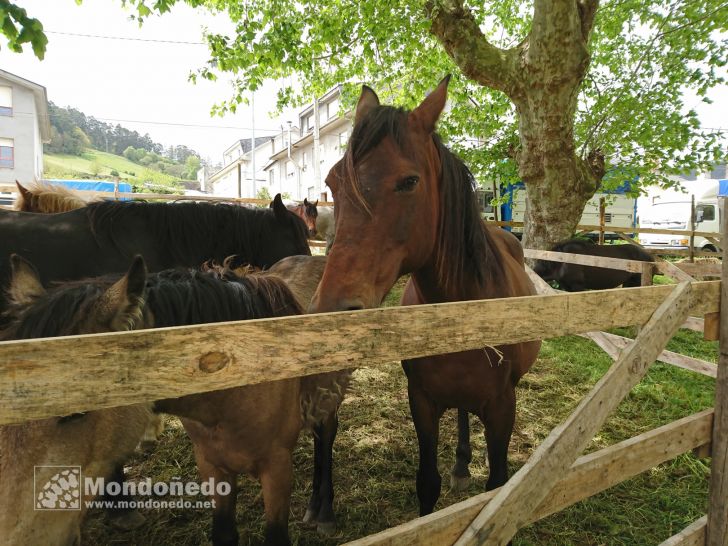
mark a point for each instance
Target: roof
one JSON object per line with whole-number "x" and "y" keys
{"x": 41, "y": 102}
{"x": 244, "y": 143}
{"x": 326, "y": 97}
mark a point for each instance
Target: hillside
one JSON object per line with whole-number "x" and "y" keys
{"x": 97, "y": 164}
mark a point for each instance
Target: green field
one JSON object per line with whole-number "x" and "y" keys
{"x": 97, "y": 164}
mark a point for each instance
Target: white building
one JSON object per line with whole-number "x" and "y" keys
{"x": 235, "y": 178}
{"x": 24, "y": 127}
{"x": 286, "y": 163}
{"x": 294, "y": 171}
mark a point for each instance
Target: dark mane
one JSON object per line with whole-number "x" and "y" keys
{"x": 186, "y": 226}
{"x": 174, "y": 297}
{"x": 465, "y": 246}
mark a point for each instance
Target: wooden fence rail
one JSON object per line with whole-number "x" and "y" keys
{"x": 121, "y": 368}
{"x": 589, "y": 475}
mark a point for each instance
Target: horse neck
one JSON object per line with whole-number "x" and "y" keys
{"x": 432, "y": 290}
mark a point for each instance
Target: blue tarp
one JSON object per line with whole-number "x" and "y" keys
{"x": 723, "y": 188}
{"x": 91, "y": 185}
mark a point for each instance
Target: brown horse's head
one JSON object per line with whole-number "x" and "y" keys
{"x": 308, "y": 213}
{"x": 386, "y": 189}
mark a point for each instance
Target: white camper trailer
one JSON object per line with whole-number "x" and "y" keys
{"x": 672, "y": 210}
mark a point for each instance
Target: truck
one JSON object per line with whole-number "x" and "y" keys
{"x": 620, "y": 208}
{"x": 673, "y": 209}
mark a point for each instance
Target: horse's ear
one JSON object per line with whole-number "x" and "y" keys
{"x": 368, "y": 101}
{"x": 279, "y": 208}
{"x": 315, "y": 204}
{"x": 305, "y": 201}
{"x": 23, "y": 191}
{"x": 426, "y": 114}
{"x": 25, "y": 285}
{"x": 121, "y": 305}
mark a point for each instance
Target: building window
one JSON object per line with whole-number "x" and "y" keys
{"x": 6, "y": 100}
{"x": 333, "y": 108}
{"x": 7, "y": 153}
{"x": 271, "y": 177}
{"x": 311, "y": 193}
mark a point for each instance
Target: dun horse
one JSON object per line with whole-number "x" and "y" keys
{"x": 250, "y": 429}
{"x": 406, "y": 204}
{"x": 575, "y": 277}
{"x": 48, "y": 199}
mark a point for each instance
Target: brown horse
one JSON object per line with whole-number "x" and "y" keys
{"x": 48, "y": 199}
{"x": 406, "y": 204}
{"x": 251, "y": 429}
{"x": 308, "y": 213}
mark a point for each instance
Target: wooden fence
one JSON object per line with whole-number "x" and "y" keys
{"x": 122, "y": 368}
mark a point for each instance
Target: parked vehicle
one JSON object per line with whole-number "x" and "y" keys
{"x": 620, "y": 208}
{"x": 672, "y": 210}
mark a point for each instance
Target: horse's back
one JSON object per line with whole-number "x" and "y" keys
{"x": 509, "y": 252}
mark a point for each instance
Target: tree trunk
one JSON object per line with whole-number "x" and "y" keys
{"x": 542, "y": 76}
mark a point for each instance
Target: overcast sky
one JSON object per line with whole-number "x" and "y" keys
{"x": 138, "y": 80}
{"x": 147, "y": 81}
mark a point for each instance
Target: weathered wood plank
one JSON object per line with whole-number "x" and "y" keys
{"x": 717, "y": 532}
{"x": 694, "y": 323}
{"x": 129, "y": 367}
{"x": 516, "y": 501}
{"x": 542, "y": 287}
{"x": 588, "y": 476}
{"x": 700, "y": 268}
{"x": 123, "y": 368}
{"x": 634, "y": 266}
{"x": 647, "y": 271}
{"x": 671, "y": 270}
{"x": 587, "y": 228}
{"x": 668, "y": 357}
{"x": 711, "y": 327}
{"x": 692, "y": 535}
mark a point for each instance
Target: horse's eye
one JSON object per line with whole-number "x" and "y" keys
{"x": 407, "y": 184}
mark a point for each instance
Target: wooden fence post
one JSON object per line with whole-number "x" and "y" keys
{"x": 718, "y": 504}
{"x": 516, "y": 501}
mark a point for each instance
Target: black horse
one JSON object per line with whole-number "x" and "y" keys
{"x": 575, "y": 278}
{"x": 103, "y": 237}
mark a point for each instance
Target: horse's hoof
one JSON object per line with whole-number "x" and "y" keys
{"x": 459, "y": 483}
{"x": 127, "y": 520}
{"x": 309, "y": 518}
{"x": 326, "y": 528}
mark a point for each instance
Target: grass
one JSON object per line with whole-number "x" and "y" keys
{"x": 376, "y": 458}
{"x": 85, "y": 165}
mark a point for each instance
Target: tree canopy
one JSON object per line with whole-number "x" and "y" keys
{"x": 616, "y": 74}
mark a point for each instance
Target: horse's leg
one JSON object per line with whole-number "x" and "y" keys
{"x": 426, "y": 419}
{"x": 498, "y": 418}
{"x": 123, "y": 519}
{"x": 321, "y": 506}
{"x": 277, "y": 481}
{"x": 224, "y": 528}
{"x": 460, "y": 475}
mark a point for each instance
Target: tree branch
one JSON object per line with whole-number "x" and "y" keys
{"x": 458, "y": 31}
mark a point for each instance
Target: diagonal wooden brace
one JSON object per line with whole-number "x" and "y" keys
{"x": 511, "y": 508}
